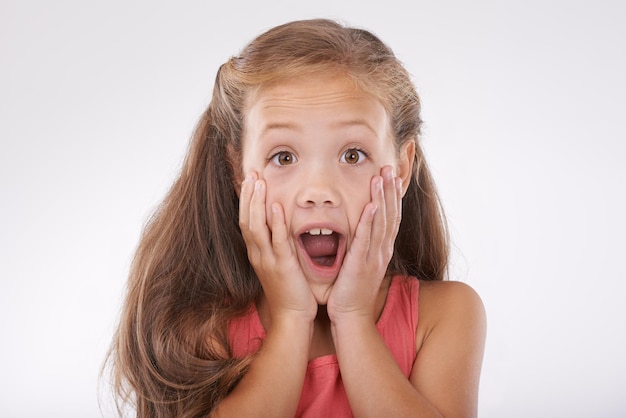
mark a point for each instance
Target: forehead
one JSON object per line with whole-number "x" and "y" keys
{"x": 333, "y": 101}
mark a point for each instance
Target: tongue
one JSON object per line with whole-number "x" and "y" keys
{"x": 321, "y": 248}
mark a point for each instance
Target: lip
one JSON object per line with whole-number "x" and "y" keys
{"x": 325, "y": 272}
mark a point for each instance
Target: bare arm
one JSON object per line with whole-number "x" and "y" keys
{"x": 373, "y": 381}
{"x": 444, "y": 380}
{"x": 448, "y": 364}
{"x": 273, "y": 385}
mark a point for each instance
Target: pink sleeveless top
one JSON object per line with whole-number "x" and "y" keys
{"x": 323, "y": 393}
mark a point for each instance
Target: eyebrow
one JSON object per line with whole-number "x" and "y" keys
{"x": 338, "y": 124}
{"x": 279, "y": 126}
{"x": 354, "y": 122}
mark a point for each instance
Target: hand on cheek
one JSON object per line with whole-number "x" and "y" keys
{"x": 272, "y": 254}
{"x": 370, "y": 252}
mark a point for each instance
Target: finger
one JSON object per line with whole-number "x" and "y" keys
{"x": 391, "y": 201}
{"x": 279, "y": 231}
{"x": 245, "y": 196}
{"x": 379, "y": 225}
{"x": 394, "y": 217}
{"x": 398, "y": 182}
{"x": 258, "y": 219}
{"x": 363, "y": 234}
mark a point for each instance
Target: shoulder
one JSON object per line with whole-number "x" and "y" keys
{"x": 450, "y": 340}
{"x": 448, "y": 291}
{"x": 449, "y": 304}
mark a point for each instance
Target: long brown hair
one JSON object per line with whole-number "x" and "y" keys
{"x": 191, "y": 275}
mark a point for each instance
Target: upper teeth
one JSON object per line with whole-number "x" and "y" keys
{"x": 318, "y": 231}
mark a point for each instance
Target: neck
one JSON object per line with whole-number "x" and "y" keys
{"x": 322, "y": 343}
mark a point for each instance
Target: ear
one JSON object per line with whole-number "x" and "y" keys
{"x": 405, "y": 163}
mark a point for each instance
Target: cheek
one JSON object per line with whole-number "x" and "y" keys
{"x": 357, "y": 194}
{"x": 277, "y": 194}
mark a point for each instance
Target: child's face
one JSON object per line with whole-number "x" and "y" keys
{"x": 317, "y": 143}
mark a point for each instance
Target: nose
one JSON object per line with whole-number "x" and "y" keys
{"x": 318, "y": 188}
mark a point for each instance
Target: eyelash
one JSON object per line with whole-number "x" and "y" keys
{"x": 274, "y": 158}
{"x": 360, "y": 151}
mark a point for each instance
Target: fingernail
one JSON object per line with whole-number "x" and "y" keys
{"x": 257, "y": 185}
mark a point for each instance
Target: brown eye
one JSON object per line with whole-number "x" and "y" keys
{"x": 283, "y": 158}
{"x": 353, "y": 156}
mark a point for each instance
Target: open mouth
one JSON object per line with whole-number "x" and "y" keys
{"x": 321, "y": 246}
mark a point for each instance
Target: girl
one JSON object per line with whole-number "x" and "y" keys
{"x": 296, "y": 266}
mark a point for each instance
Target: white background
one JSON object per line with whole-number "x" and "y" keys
{"x": 524, "y": 106}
